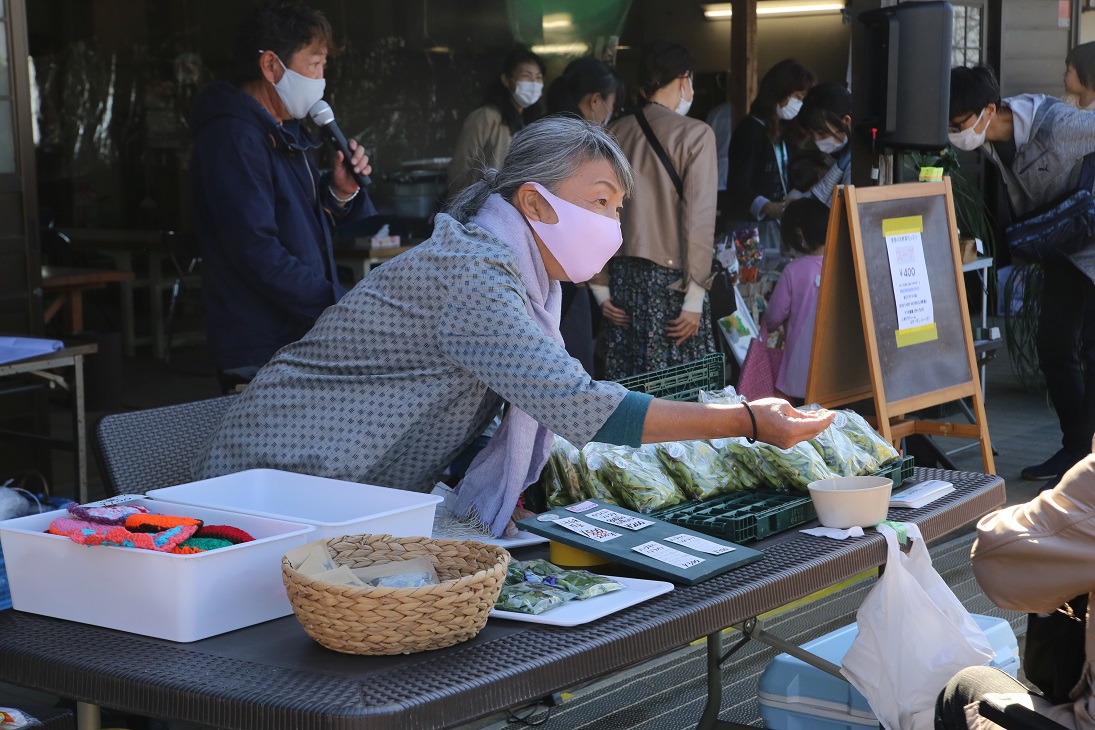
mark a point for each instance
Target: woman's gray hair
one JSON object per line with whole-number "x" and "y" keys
{"x": 548, "y": 152}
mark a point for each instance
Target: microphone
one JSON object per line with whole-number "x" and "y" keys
{"x": 324, "y": 117}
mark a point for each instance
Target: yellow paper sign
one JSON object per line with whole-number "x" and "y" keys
{"x": 917, "y": 335}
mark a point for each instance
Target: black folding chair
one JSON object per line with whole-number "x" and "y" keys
{"x": 185, "y": 260}
{"x": 142, "y": 450}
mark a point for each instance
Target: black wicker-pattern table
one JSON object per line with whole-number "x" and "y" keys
{"x": 272, "y": 676}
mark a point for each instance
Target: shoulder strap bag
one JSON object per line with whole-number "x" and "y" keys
{"x": 660, "y": 152}
{"x": 1053, "y": 232}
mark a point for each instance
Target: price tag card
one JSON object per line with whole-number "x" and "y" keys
{"x": 585, "y": 529}
{"x": 699, "y": 544}
{"x": 615, "y": 518}
{"x": 668, "y": 555}
{"x": 581, "y": 506}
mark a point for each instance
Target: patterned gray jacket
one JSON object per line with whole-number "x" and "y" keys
{"x": 406, "y": 370}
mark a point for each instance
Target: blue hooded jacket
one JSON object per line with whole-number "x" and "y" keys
{"x": 263, "y": 220}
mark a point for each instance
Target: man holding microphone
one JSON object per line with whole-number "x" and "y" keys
{"x": 264, "y": 213}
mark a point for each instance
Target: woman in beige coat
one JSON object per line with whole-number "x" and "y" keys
{"x": 655, "y": 306}
{"x": 1033, "y": 557}
{"x": 512, "y": 101}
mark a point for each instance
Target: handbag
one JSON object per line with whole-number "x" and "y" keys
{"x": 760, "y": 368}
{"x": 1053, "y": 233}
{"x": 914, "y": 635}
{"x": 1054, "y": 656}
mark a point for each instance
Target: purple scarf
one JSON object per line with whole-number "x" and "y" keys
{"x": 519, "y": 449}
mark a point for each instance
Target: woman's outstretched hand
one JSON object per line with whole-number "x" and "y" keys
{"x": 781, "y": 424}
{"x": 519, "y": 513}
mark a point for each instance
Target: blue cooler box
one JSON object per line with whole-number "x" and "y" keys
{"x": 796, "y": 696}
{"x": 5, "y": 592}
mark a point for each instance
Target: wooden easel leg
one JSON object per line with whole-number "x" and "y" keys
{"x": 983, "y": 423}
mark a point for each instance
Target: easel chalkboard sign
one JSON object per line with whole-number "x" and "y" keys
{"x": 892, "y": 323}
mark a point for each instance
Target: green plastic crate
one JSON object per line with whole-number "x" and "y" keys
{"x": 899, "y": 471}
{"x": 742, "y": 516}
{"x": 756, "y": 514}
{"x": 681, "y": 382}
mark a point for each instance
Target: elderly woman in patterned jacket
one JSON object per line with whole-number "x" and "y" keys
{"x": 409, "y": 368}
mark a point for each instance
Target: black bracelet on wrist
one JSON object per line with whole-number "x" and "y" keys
{"x": 753, "y": 419}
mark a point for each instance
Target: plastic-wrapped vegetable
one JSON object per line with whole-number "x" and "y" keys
{"x": 727, "y": 395}
{"x": 639, "y": 480}
{"x": 754, "y": 460}
{"x": 590, "y": 469}
{"x": 798, "y": 465}
{"x": 844, "y": 456}
{"x": 580, "y": 583}
{"x": 742, "y": 462}
{"x": 560, "y": 478}
{"x": 697, "y": 469}
{"x": 862, "y": 433}
{"x": 530, "y": 598}
{"x": 514, "y": 572}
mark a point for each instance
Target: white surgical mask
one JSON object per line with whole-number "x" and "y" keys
{"x": 298, "y": 92}
{"x": 608, "y": 114}
{"x": 528, "y": 93}
{"x": 830, "y": 145}
{"x": 789, "y": 110}
{"x": 969, "y": 139}
{"x": 685, "y": 104}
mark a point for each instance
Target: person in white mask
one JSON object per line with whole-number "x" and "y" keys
{"x": 826, "y": 118}
{"x": 511, "y": 102}
{"x": 759, "y": 157}
{"x": 653, "y": 296}
{"x": 408, "y": 369}
{"x": 263, "y": 211}
{"x": 1038, "y": 144}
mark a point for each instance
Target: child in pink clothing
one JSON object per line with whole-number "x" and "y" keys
{"x": 794, "y": 301}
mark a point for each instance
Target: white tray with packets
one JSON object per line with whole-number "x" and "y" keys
{"x": 620, "y": 593}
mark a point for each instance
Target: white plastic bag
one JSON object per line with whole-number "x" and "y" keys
{"x": 914, "y": 635}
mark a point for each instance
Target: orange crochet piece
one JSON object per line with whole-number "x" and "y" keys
{"x": 158, "y": 523}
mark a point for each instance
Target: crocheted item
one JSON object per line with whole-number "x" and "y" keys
{"x": 159, "y": 523}
{"x": 65, "y": 526}
{"x": 200, "y": 545}
{"x": 224, "y": 532}
{"x": 117, "y": 536}
{"x": 115, "y": 514}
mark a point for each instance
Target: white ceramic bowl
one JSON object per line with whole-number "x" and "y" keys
{"x": 845, "y": 502}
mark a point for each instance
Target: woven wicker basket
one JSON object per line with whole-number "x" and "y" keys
{"x": 378, "y": 620}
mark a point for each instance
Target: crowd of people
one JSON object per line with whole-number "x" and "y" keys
{"x": 564, "y": 214}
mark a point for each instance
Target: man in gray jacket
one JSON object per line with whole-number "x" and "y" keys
{"x": 1038, "y": 144}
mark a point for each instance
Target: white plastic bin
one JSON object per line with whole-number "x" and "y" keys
{"x": 333, "y": 507}
{"x": 175, "y": 597}
{"x": 794, "y": 695}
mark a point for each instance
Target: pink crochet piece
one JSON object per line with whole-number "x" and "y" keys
{"x": 114, "y": 514}
{"x": 65, "y": 526}
{"x": 91, "y": 533}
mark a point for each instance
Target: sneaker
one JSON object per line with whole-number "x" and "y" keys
{"x": 1054, "y": 466}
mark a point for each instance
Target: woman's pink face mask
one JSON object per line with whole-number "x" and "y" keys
{"x": 581, "y": 241}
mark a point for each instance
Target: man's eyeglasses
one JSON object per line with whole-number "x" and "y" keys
{"x": 956, "y": 128}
